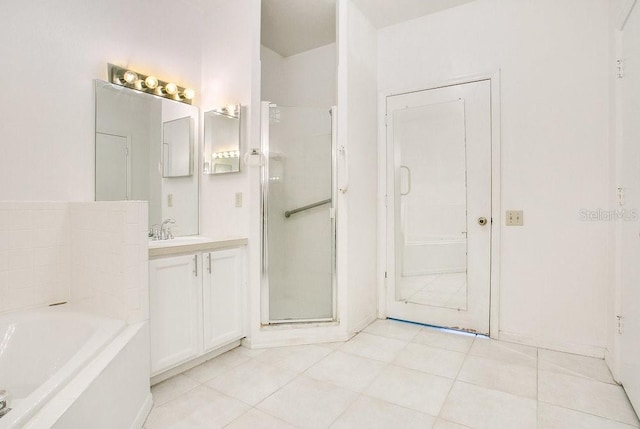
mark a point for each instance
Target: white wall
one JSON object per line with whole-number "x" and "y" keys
{"x": 227, "y": 65}
{"x": 553, "y": 58}
{"x": 56, "y": 49}
{"x": 623, "y": 345}
{"x": 305, "y": 79}
{"x": 357, "y": 118}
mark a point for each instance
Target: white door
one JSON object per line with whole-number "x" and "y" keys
{"x": 629, "y": 228}
{"x": 174, "y": 310}
{"x": 112, "y": 167}
{"x": 439, "y": 206}
{"x": 222, "y": 297}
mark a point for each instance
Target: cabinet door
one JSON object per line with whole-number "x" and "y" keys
{"x": 222, "y": 297}
{"x": 174, "y": 287}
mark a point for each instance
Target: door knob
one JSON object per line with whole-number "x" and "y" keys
{"x": 482, "y": 221}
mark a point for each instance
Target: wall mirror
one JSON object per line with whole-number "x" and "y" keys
{"x": 145, "y": 151}
{"x": 222, "y": 140}
{"x": 177, "y": 147}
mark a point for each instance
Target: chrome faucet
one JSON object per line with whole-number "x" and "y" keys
{"x": 4, "y": 403}
{"x": 165, "y": 230}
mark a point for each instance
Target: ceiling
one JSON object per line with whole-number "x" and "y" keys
{"x": 290, "y": 27}
{"x": 383, "y": 13}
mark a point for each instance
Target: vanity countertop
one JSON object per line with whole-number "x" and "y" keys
{"x": 191, "y": 244}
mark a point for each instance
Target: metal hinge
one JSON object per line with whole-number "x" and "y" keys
{"x": 619, "y": 324}
{"x": 385, "y": 120}
{"x": 385, "y": 274}
{"x": 619, "y": 69}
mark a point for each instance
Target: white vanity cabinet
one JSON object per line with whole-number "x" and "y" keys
{"x": 221, "y": 297}
{"x": 175, "y": 295}
{"x": 195, "y": 305}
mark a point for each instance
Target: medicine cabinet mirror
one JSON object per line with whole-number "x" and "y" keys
{"x": 145, "y": 151}
{"x": 222, "y": 140}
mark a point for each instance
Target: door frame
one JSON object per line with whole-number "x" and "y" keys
{"x": 496, "y": 206}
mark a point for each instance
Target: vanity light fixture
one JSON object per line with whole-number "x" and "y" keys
{"x": 232, "y": 110}
{"x": 149, "y": 84}
{"x": 226, "y": 154}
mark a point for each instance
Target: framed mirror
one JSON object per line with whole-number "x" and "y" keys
{"x": 222, "y": 140}
{"x": 145, "y": 151}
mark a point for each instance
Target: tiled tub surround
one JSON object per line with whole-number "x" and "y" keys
{"x": 34, "y": 254}
{"x": 395, "y": 375}
{"x": 93, "y": 254}
{"x": 109, "y": 254}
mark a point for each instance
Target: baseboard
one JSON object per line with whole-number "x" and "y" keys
{"x": 364, "y": 322}
{"x": 185, "y": 366}
{"x": 138, "y": 423}
{"x": 578, "y": 349}
{"x": 612, "y": 364}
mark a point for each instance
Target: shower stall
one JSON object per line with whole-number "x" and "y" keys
{"x": 298, "y": 214}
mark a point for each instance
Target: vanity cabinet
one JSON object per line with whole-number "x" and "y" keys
{"x": 195, "y": 305}
{"x": 222, "y": 298}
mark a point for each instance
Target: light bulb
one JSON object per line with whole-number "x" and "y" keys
{"x": 130, "y": 76}
{"x": 151, "y": 82}
{"x": 231, "y": 109}
{"x": 171, "y": 88}
{"x": 188, "y": 93}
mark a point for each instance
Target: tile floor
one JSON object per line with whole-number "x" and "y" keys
{"x": 447, "y": 290}
{"x": 395, "y": 375}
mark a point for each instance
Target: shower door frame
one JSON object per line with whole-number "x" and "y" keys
{"x": 265, "y": 318}
{"x": 496, "y": 207}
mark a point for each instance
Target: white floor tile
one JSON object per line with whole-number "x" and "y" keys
{"x": 482, "y": 408}
{"x": 582, "y": 394}
{"x": 410, "y": 388}
{"x": 252, "y": 381}
{"x": 256, "y": 419}
{"x": 495, "y": 374}
{"x": 218, "y": 365}
{"x": 430, "y": 359}
{"x": 308, "y": 403}
{"x": 456, "y": 342}
{"x": 294, "y": 358}
{"x": 446, "y": 424}
{"x": 373, "y": 346}
{"x": 393, "y": 329}
{"x": 571, "y": 364}
{"x": 345, "y": 370}
{"x": 201, "y": 407}
{"x": 370, "y": 413}
{"x": 508, "y": 352}
{"x": 554, "y": 417}
{"x": 171, "y": 389}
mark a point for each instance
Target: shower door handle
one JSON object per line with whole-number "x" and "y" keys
{"x": 404, "y": 167}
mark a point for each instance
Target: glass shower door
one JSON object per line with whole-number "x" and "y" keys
{"x": 298, "y": 214}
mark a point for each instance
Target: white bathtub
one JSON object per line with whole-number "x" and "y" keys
{"x": 52, "y": 361}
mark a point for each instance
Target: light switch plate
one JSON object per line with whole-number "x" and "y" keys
{"x": 515, "y": 218}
